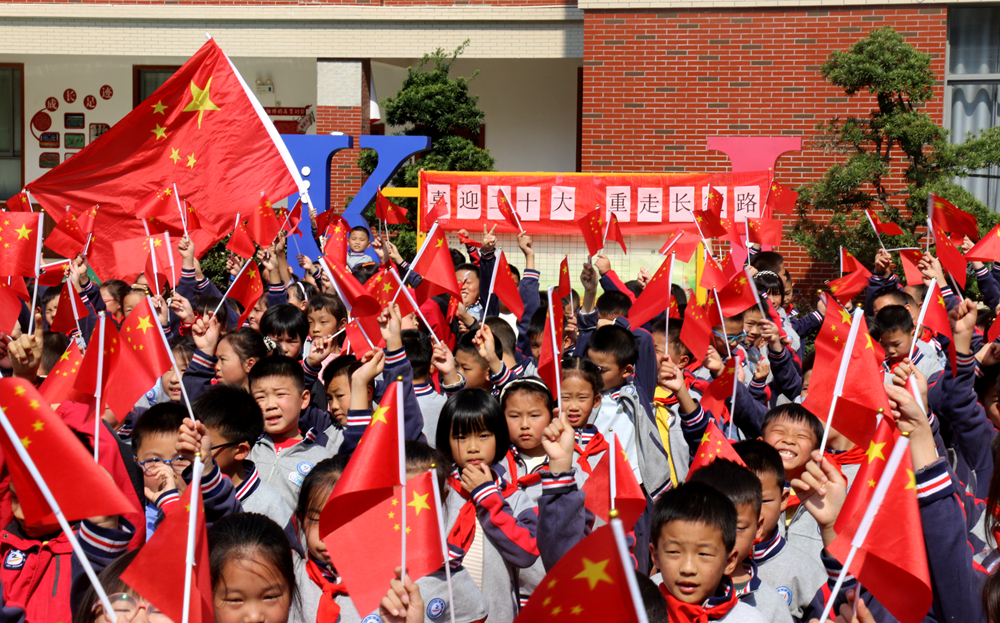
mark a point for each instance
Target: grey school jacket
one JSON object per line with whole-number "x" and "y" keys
{"x": 766, "y": 601}
{"x": 654, "y": 464}
{"x": 795, "y": 575}
{"x": 285, "y": 472}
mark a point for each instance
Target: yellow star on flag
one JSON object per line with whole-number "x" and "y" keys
{"x": 23, "y": 232}
{"x": 38, "y": 425}
{"x": 379, "y": 415}
{"x": 159, "y": 108}
{"x": 869, "y": 344}
{"x": 705, "y": 437}
{"x": 576, "y": 610}
{"x": 911, "y": 481}
{"x": 200, "y": 100}
{"x": 159, "y": 131}
{"x": 144, "y": 324}
{"x": 594, "y": 572}
{"x": 25, "y": 441}
{"x": 875, "y": 451}
{"x": 65, "y": 356}
{"x": 419, "y": 503}
{"x": 34, "y": 405}
{"x": 175, "y": 155}
{"x": 19, "y": 391}
{"x": 191, "y": 161}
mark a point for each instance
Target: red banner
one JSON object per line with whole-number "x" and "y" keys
{"x": 550, "y": 203}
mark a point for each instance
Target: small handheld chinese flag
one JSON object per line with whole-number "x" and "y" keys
{"x": 503, "y": 204}
{"x": 781, "y": 199}
{"x": 987, "y": 249}
{"x": 144, "y": 359}
{"x": 52, "y": 274}
{"x": 247, "y": 289}
{"x": 20, "y": 234}
{"x": 592, "y": 228}
{"x": 712, "y": 275}
{"x": 10, "y": 306}
{"x": 19, "y": 203}
{"x": 263, "y": 225}
{"x": 764, "y": 231}
{"x": 848, "y": 286}
{"x": 696, "y": 332}
{"x": 649, "y": 304}
{"x": 434, "y": 265}
{"x": 951, "y": 258}
{"x": 889, "y": 229}
{"x": 629, "y": 498}
{"x": 737, "y": 296}
{"x": 58, "y": 385}
{"x": 159, "y": 210}
{"x": 157, "y": 572}
{"x": 849, "y": 264}
{"x": 290, "y": 219}
{"x": 504, "y": 286}
{"x": 720, "y": 390}
{"x": 439, "y": 210}
{"x": 615, "y": 233}
{"x": 65, "y": 319}
{"x": 936, "y": 319}
{"x": 240, "y": 242}
{"x": 358, "y": 300}
{"x": 389, "y": 212}
{"x": 86, "y": 378}
{"x": 714, "y": 445}
{"x": 469, "y": 242}
{"x": 949, "y": 218}
{"x": 565, "y": 286}
{"x": 550, "y": 357}
{"x": 336, "y": 243}
{"x": 84, "y": 491}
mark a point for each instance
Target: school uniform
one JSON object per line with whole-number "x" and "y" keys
{"x": 357, "y": 259}
{"x": 256, "y": 496}
{"x": 494, "y": 529}
{"x": 800, "y": 529}
{"x": 723, "y": 606}
{"x": 610, "y": 418}
{"x": 324, "y": 598}
{"x": 795, "y": 575}
{"x": 284, "y": 472}
{"x": 431, "y": 403}
{"x": 928, "y": 366}
{"x": 528, "y": 289}
{"x": 190, "y": 288}
{"x": 762, "y": 596}
{"x": 217, "y": 492}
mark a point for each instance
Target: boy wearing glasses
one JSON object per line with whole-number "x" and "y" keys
{"x": 154, "y": 441}
{"x": 235, "y": 422}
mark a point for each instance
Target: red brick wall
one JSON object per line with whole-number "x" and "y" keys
{"x": 656, "y": 84}
{"x": 322, "y": 2}
{"x": 345, "y": 178}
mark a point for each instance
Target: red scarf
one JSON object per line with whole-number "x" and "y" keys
{"x": 329, "y": 609}
{"x": 464, "y": 531}
{"x": 596, "y": 445}
{"x": 522, "y": 482}
{"x": 717, "y": 608}
{"x": 854, "y": 456}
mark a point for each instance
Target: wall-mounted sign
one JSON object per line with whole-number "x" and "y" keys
{"x": 74, "y": 140}
{"x": 67, "y": 155}
{"x": 90, "y": 102}
{"x": 284, "y": 111}
{"x": 49, "y": 140}
{"x": 48, "y": 160}
{"x": 97, "y": 129}
{"x": 74, "y": 121}
{"x": 69, "y": 95}
{"x": 107, "y": 92}
{"x": 52, "y": 104}
{"x": 41, "y": 121}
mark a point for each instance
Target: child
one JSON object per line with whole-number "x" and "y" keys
{"x": 253, "y": 577}
{"x": 300, "y": 293}
{"x": 693, "y": 546}
{"x": 113, "y": 294}
{"x": 132, "y": 298}
{"x": 229, "y": 359}
{"x": 743, "y": 489}
{"x": 772, "y": 286}
{"x": 357, "y": 244}
{"x": 490, "y": 521}
{"x": 283, "y": 454}
{"x": 795, "y": 434}
{"x": 154, "y": 445}
{"x": 419, "y": 353}
{"x": 287, "y": 326}
{"x": 504, "y": 334}
{"x": 478, "y": 357}
{"x": 895, "y": 327}
{"x": 665, "y": 403}
{"x": 327, "y": 315}
{"x": 53, "y": 346}
{"x": 467, "y": 276}
{"x": 794, "y": 574}
{"x": 527, "y": 404}
{"x": 124, "y": 600}
{"x": 169, "y": 387}
{"x": 235, "y": 423}
{"x": 48, "y": 303}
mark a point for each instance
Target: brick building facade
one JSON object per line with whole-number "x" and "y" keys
{"x": 591, "y": 85}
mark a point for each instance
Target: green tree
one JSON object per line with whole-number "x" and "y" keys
{"x": 432, "y": 103}
{"x": 893, "y": 157}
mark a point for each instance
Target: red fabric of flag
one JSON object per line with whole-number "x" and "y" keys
{"x": 994, "y": 331}
{"x": 84, "y": 491}
{"x": 52, "y": 275}
{"x": 290, "y": 219}
{"x": 987, "y": 249}
{"x": 507, "y": 210}
{"x": 720, "y": 390}
{"x": 373, "y": 471}
{"x": 159, "y": 210}
{"x": 951, "y": 258}
{"x": 849, "y": 264}
{"x": 366, "y": 550}
{"x": 630, "y": 501}
{"x": 696, "y": 332}
{"x": 889, "y": 229}
{"x": 86, "y": 378}
{"x": 64, "y": 320}
{"x": 592, "y": 228}
{"x": 157, "y": 572}
{"x": 19, "y": 232}
{"x": 565, "y": 286}
{"x": 685, "y": 246}
{"x": 615, "y": 232}
{"x": 144, "y": 359}
{"x": 241, "y": 243}
{"x": 10, "y": 307}
{"x": 201, "y": 130}
{"x": 263, "y": 225}
{"x": 389, "y": 212}
{"x": 550, "y": 356}
{"x": 247, "y": 289}
{"x": 863, "y": 395}
{"x": 848, "y": 286}
{"x": 382, "y": 286}
{"x": 737, "y": 296}
{"x": 58, "y": 385}
{"x": 436, "y": 268}
{"x": 714, "y": 445}
{"x": 336, "y": 243}
{"x": 469, "y": 242}
{"x": 588, "y": 583}
{"x": 712, "y": 275}
{"x": 764, "y": 231}
{"x": 949, "y": 218}
{"x": 781, "y": 199}
{"x": 19, "y": 203}
{"x": 357, "y": 299}
{"x": 892, "y": 562}
{"x": 936, "y": 319}
{"x": 439, "y": 210}
{"x": 505, "y": 288}
{"x": 652, "y": 299}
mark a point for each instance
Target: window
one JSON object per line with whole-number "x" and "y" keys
{"x": 148, "y": 78}
{"x": 11, "y": 134}
{"x": 972, "y": 83}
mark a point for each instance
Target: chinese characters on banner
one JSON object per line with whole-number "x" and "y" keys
{"x": 548, "y": 203}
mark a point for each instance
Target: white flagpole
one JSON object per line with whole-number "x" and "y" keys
{"x": 90, "y": 235}
{"x": 920, "y": 318}
{"x": 38, "y": 273}
{"x": 72, "y": 305}
{"x": 184, "y": 222}
{"x": 416, "y": 307}
{"x": 613, "y": 459}
{"x": 170, "y": 256}
{"x": 238, "y": 275}
{"x": 152, "y": 256}
{"x": 43, "y": 488}
{"x": 845, "y": 360}
{"x": 99, "y": 390}
{"x": 444, "y": 543}
{"x": 877, "y": 235}
{"x": 841, "y": 258}
{"x": 189, "y": 561}
{"x": 666, "y": 316}
{"x": 756, "y": 295}
{"x": 513, "y": 210}
{"x": 633, "y": 586}
{"x": 722, "y": 319}
{"x": 30, "y": 200}
{"x": 665, "y": 250}
{"x": 402, "y": 463}
{"x": 556, "y": 351}
{"x": 423, "y": 247}
{"x": 891, "y": 466}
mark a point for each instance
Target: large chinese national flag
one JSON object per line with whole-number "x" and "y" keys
{"x": 202, "y": 130}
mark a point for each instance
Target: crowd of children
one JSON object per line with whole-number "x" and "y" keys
{"x": 280, "y": 407}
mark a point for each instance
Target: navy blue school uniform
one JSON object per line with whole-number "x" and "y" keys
{"x": 189, "y": 287}
{"x": 986, "y": 280}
